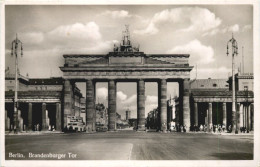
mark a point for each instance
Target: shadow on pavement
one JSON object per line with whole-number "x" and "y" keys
{"x": 233, "y": 156}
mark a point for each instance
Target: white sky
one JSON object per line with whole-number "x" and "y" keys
{"x": 202, "y": 31}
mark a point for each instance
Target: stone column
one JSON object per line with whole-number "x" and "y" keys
{"x": 58, "y": 117}
{"x": 20, "y": 120}
{"x": 224, "y": 109}
{"x": 67, "y": 102}
{"x": 249, "y": 118}
{"x": 206, "y": 118}
{"x": 90, "y": 106}
{"x": 195, "y": 113}
{"x": 7, "y": 121}
{"x": 241, "y": 115}
{"x": 245, "y": 115}
{"x": 238, "y": 117}
{"x": 163, "y": 104}
{"x": 94, "y": 108}
{"x": 252, "y": 116}
{"x": 111, "y": 105}
{"x": 30, "y": 128}
{"x": 141, "y": 105}
{"x": 45, "y": 126}
{"x": 186, "y": 104}
{"x": 210, "y": 118}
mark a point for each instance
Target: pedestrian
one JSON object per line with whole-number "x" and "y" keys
{"x": 38, "y": 127}
{"x": 184, "y": 128}
{"x": 15, "y": 129}
{"x": 229, "y": 129}
{"x": 201, "y": 127}
{"x": 219, "y": 128}
{"x": 223, "y": 128}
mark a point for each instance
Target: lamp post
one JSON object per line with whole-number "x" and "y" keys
{"x": 14, "y": 49}
{"x": 234, "y": 49}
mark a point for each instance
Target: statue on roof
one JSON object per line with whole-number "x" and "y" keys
{"x": 126, "y": 45}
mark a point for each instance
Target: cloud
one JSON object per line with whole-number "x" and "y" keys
{"x": 89, "y": 31}
{"x": 199, "y": 53}
{"x": 218, "y": 72}
{"x": 116, "y": 14}
{"x": 102, "y": 92}
{"x": 151, "y": 99}
{"x": 151, "y": 103}
{"x": 189, "y": 18}
{"x": 234, "y": 28}
{"x": 121, "y": 95}
{"x": 77, "y": 38}
{"x": 132, "y": 99}
{"x": 32, "y": 37}
{"x": 224, "y": 29}
{"x": 246, "y": 28}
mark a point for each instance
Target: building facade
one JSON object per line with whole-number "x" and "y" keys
{"x": 40, "y": 103}
{"x": 211, "y": 102}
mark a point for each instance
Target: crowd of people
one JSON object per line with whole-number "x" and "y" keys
{"x": 204, "y": 128}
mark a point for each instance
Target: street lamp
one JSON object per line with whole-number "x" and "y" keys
{"x": 234, "y": 48}
{"x": 15, "y": 45}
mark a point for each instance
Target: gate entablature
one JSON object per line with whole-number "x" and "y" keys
{"x": 126, "y": 65}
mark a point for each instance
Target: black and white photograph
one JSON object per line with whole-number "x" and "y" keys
{"x": 130, "y": 84}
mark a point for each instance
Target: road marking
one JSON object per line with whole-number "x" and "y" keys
{"x": 129, "y": 158}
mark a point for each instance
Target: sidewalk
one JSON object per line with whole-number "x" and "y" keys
{"x": 33, "y": 132}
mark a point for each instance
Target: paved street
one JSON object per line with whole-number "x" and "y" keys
{"x": 130, "y": 145}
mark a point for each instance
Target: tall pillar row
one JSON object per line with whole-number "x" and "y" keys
{"x": 245, "y": 116}
{"x": 196, "y": 114}
{"x": 7, "y": 121}
{"x": 210, "y": 117}
{"x": 94, "y": 107}
{"x": 30, "y": 128}
{"x": 67, "y": 102}
{"x": 186, "y": 104}
{"x": 224, "y": 109}
{"x": 20, "y": 120}
{"x": 249, "y": 117}
{"x": 241, "y": 117}
{"x": 163, "y": 104}
{"x": 90, "y": 106}
{"x": 111, "y": 105}
{"x": 252, "y": 116}
{"x": 141, "y": 105}
{"x": 58, "y": 117}
{"x": 45, "y": 119}
{"x": 238, "y": 116}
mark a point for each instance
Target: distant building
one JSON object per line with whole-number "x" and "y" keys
{"x": 101, "y": 115}
{"x": 127, "y": 114}
{"x": 152, "y": 120}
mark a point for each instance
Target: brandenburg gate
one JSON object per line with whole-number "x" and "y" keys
{"x": 127, "y": 64}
